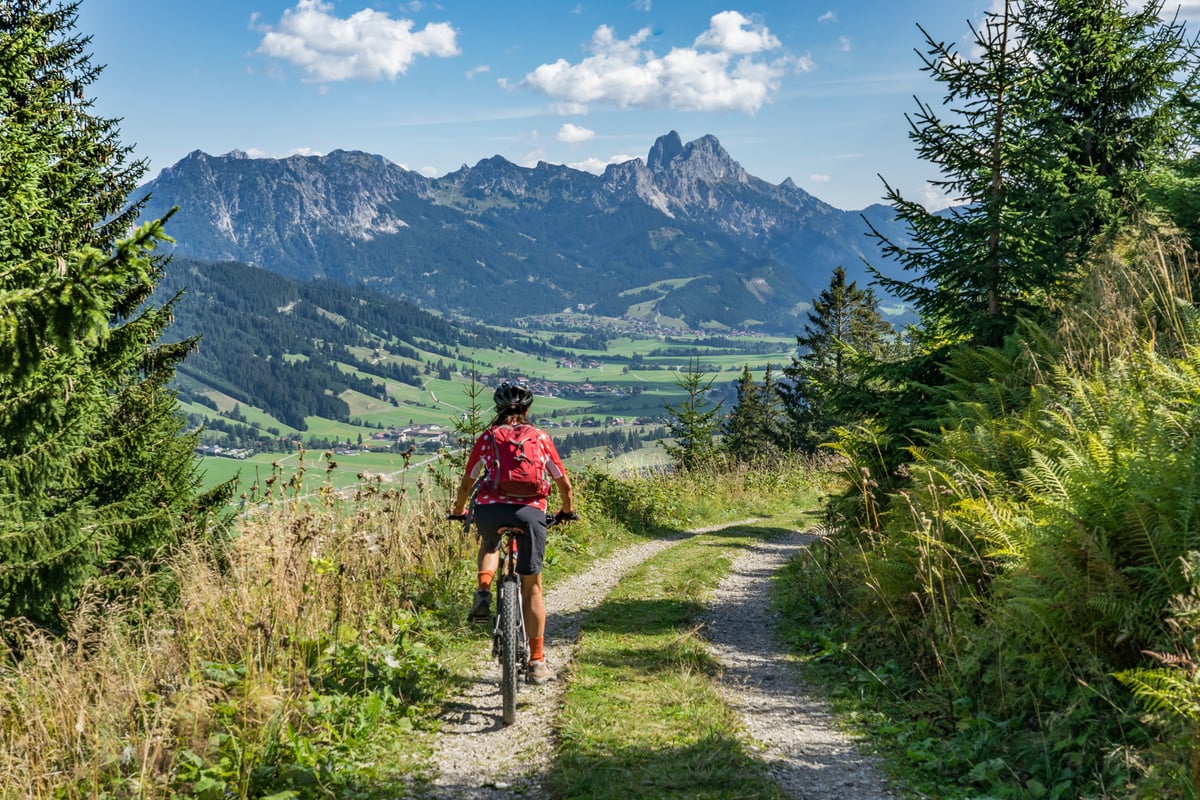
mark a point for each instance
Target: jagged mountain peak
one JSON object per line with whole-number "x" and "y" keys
{"x": 688, "y": 219}
{"x": 664, "y": 151}
{"x": 701, "y": 159}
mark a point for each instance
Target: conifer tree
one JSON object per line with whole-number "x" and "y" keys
{"x": 844, "y": 332}
{"x": 94, "y": 465}
{"x": 693, "y": 423}
{"x": 752, "y": 427}
{"x": 1039, "y": 141}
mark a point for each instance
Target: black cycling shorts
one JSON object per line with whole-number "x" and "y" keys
{"x": 531, "y": 546}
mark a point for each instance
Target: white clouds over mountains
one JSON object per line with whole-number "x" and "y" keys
{"x": 573, "y": 134}
{"x": 717, "y": 73}
{"x": 726, "y": 68}
{"x": 368, "y": 45}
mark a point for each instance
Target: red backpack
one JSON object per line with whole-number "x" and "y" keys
{"x": 518, "y": 462}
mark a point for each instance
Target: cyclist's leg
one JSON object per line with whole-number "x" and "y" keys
{"x": 487, "y": 521}
{"x": 487, "y": 562}
{"x": 529, "y": 565}
{"x": 535, "y": 606}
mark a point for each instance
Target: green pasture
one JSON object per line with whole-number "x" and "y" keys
{"x": 619, "y": 392}
{"x": 253, "y": 416}
{"x": 349, "y": 471}
{"x": 339, "y": 471}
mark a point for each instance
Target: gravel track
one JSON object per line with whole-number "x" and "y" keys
{"x": 797, "y": 738}
{"x": 476, "y": 757}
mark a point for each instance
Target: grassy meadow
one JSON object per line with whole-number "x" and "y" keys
{"x": 619, "y": 390}
{"x": 308, "y": 654}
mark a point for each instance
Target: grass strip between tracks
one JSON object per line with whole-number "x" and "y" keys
{"x": 642, "y": 717}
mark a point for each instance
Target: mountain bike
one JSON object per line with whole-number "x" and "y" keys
{"x": 510, "y": 644}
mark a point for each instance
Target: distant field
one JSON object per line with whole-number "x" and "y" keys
{"x": 345, "y": 472}
{"x": 619, "y": 392}
{"x": 388, "y": 469}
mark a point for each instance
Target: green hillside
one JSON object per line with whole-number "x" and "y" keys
{"x": 286, "y": 365}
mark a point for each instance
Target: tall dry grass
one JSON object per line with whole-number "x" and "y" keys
{"x": 1135, "y": 297}
{"x": 1036, "y": 544}
{"x": 720, "y": 491}
{"x": 138, "y": 687}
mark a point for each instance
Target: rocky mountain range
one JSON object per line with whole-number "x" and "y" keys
{"x": 685, "y": 234}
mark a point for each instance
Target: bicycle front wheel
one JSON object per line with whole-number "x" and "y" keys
{"x": 510, "y": 647}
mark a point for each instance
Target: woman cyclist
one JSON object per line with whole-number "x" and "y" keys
{"x": 493, "y": 509}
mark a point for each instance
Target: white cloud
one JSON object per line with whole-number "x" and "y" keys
{"x": 642, "y": 5}
{"x": 820, "y": 178}
{"x": 480, "y": 70}
{"x": 532, "y": 158}
{"x": 844, "y": 44}
{"x": 730, "y": 32}
{"x": 596, "y": 166}
{"x": 573, "y": 134}
{"x": 934, "y": 199}
{"x": 828, "y": 16}
{"x": 254, "y": 152}
{"x": 805, "y": 63}
{"x": 368, "y": 44}
{"x": 624, "y": 73}
{"x": 427, "y": 171}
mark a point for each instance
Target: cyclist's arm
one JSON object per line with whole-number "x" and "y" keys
{"x": 566, "y": 493}
{"x": 558, "y": 473}
{"x": 464, "y": 494}
{"x": 471, "y": 473}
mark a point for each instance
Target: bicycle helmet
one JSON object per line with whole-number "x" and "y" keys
{"x": 512, "y": 395}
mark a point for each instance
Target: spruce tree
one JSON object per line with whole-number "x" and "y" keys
{"x": 1039, "y": 140}
{"x": 844, "y": 333}
{"x": 94, "y": 464}
{"x": 751, "y": 431}
{"x": 693, "y": 423}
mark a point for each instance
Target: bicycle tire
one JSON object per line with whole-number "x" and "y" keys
{"x": 510, "y": 634}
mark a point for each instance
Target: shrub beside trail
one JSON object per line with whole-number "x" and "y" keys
{"x": 1017, "y": 599}
{"x": 303, "y": 653}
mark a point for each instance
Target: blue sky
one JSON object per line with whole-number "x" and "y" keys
{"x": 814, "y": 91}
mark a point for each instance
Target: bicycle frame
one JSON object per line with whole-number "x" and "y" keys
{"x": 510, "y": 640}
{"x": 508, "y": 572}
{"x": 510, "y": 644}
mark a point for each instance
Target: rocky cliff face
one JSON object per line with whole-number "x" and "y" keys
{"x": 686, "y": 233}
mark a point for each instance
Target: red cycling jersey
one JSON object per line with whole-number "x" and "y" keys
{"x": 478, "y": 465}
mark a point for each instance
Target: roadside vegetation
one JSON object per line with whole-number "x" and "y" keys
{"x": 307, "y": 656}
{"x": 1006, "y": 590}
{"x": 1016, "y": 603}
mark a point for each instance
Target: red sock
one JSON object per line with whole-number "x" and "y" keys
{"x": 535, "y": 649}
{"x": 485, "y": 578}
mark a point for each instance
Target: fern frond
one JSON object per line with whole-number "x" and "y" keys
{"x": 1170, "y": 691}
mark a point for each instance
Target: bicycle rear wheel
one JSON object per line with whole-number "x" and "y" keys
{"x": 510, "y": 646}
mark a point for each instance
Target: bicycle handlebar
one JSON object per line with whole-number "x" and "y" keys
{"x": 551, "y": 519}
